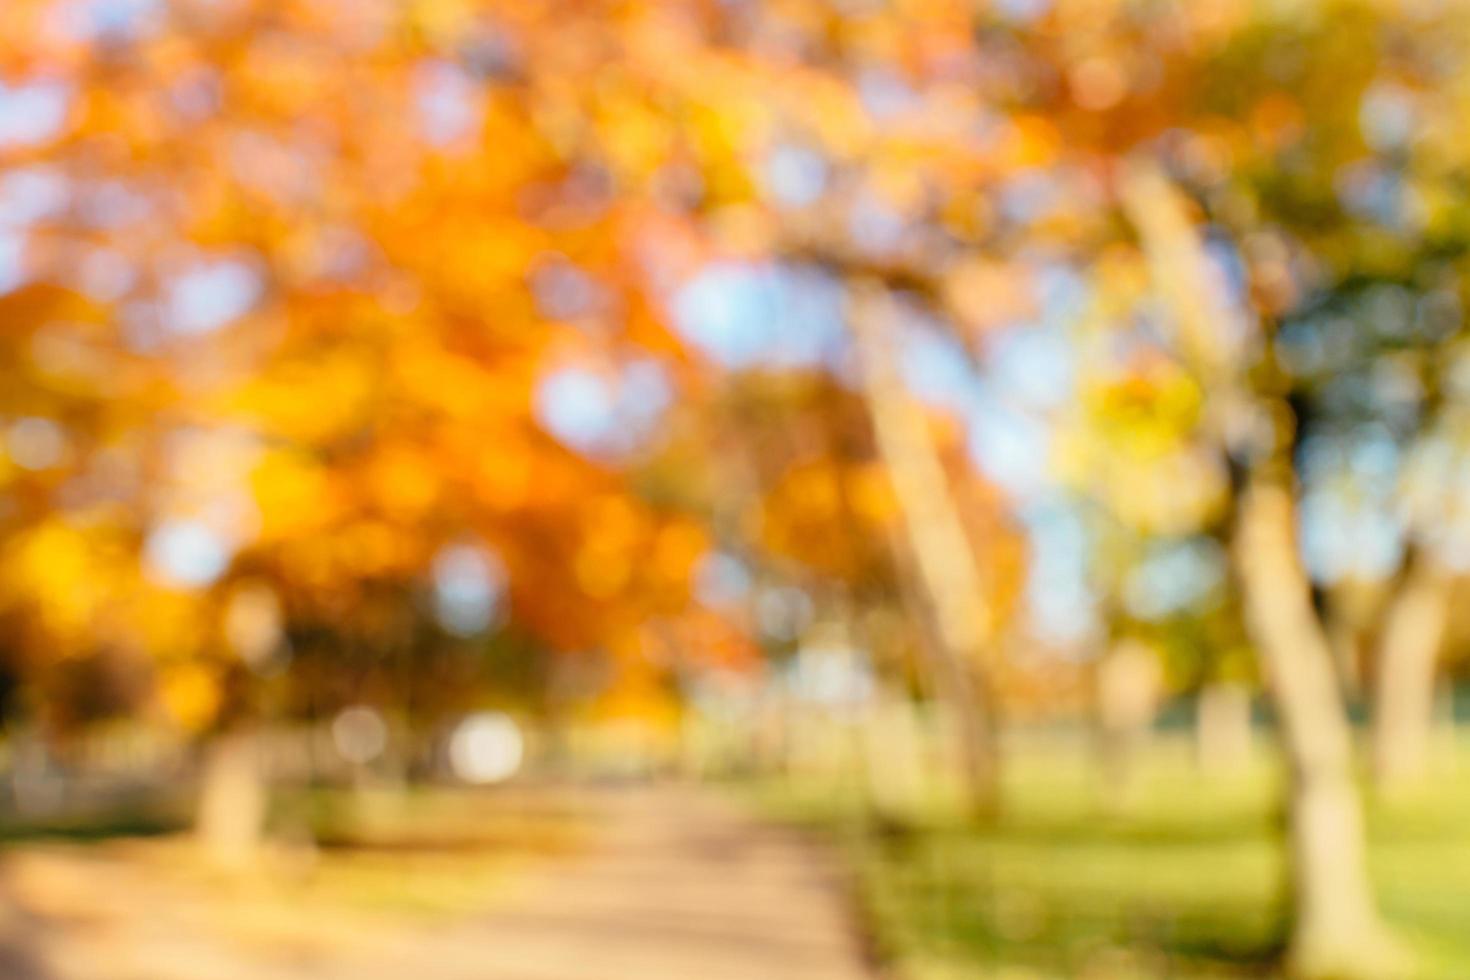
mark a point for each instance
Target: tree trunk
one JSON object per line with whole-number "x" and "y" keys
{"x": 1337, "y": 932}
{"x": 1345, "y": 638}
{"x": 231, "y": 812}
{"x": 893, "y": 754}
{"x": 35, "y": 786}
{"x": 1127, "y": 698}
{"x": 1222, "y": 728}
{"x": 972, "y": 710}
{"x": 1403, "y": 708}
{"x": 961, "y": 693}
{"x": 1353, "y": 608}
{"x": 936, "y": 541}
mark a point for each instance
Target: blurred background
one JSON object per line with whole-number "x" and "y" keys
{"x": 734, "y": 488}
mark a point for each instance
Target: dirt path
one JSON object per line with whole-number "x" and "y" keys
{"x": 674, "y": 884}
{"x": 681, "y": 886}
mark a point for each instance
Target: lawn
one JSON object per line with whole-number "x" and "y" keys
{"x": 1186, "y": 879}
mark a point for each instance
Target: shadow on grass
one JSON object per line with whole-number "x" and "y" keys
{"x": 347, "y": 840}
{"x": 1053, "y": 919}
{"x": 427, "y": 821}
{"x": 1073, "y": 893}
{"x": 91, "y": 828}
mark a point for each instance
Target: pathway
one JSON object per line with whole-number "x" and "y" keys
{"x": 675, "y": 884}
{"x": 682, "y": 886}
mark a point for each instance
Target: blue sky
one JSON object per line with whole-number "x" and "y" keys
{"x": 186, "y": 554}
{"x": 31, "y": 112}
{"x": 603, "y": 410}
{"x": 762, "y": 314}
{"x": 469, "y": 589}
{"x": 210, "y": 294}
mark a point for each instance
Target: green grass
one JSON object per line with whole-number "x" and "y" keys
{"x": 135, "y": 816}
{"x": 1187, "y": 879}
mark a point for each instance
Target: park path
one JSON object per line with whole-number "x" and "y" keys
{"x": 677, "y": 885}
{"x": 673, "y": 883}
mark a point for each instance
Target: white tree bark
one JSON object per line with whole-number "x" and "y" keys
{"x": 230, "y": 820}
{"x": 1222, "y": 728}
{"x": 1128, "y": 687}
{"x": 1337, "y": 932}
{"x": 936, "y": 539}
{"x": 1403, "y": 703}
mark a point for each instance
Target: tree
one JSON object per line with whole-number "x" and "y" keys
{"x": 867, "y": 168}
{"x": 327, "y": 286}
{"x": 942, "y": 552}
{"x": 1336, "y": 924}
